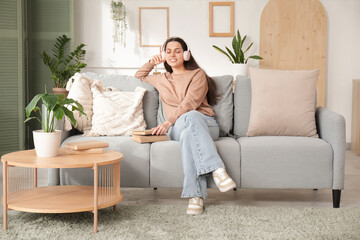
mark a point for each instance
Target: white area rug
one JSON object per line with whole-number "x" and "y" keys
{"x": 171, "y": 222}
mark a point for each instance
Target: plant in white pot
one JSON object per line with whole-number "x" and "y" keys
{"x": 47, "y": 140}
{"x": 237, "y": 56}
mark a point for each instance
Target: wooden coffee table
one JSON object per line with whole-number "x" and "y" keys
{"x": 21, "y": 192}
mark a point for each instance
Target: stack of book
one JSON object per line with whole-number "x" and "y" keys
{"x": 145, "y": 136}
{"x": 86, "y": 147}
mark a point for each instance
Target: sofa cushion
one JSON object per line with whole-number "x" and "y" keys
{"x": 134, "y": 168}
{"x": 116, "y": 113}
{"x": 285, "y": 162}
{"x": 166, "y": 165}
{"x": 242, "y": 103}
{"x": 129, "y": 83}
{"x": 282, "y": 103}
{"x": 223, "y": 109}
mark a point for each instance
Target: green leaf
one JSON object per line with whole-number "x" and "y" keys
{"x": 234, "y": 45}
{"x": 30, "y": 118}
{"x": 58, "y": 112}
{"x": 222, "y": 51}
{"x": 70, "y": 115}
{"x": 231, "y": 54}
{"x": 256, "y": 57}
{"x": 248, "y": 47}
{"x": 50, "y": 101}
{"x": 32, "y": 105}
{"x": 242, "y": 41}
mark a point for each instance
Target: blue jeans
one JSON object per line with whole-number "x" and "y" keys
{"x": 196, "y": 132}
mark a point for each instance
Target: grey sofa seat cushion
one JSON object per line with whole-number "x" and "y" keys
{"x": 242, "y": 104}
{"x": 223, "y": 109}
{"x": 134, "y": 168}
{"x": 166, "y": 165}
{"x": 285, "y": 162}
{"x": 129, "y": 83}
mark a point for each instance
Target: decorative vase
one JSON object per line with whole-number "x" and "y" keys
{"x": 47, "y": 144}
{"x": 240, "y": 69}
{"x": 60, "y": 91}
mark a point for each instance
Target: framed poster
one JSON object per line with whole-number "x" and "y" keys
{"x": 153, "y": 26}
{"x": 221, "y": 19}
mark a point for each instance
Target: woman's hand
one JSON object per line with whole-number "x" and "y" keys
{"x": 161, "y": 129}
{"x": 156, "y": 60}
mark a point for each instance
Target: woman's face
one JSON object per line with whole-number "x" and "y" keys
{"x": 174, "y": 54}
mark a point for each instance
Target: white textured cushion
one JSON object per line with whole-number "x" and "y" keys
{"x": 282, "y": 103}
{"x": 79, "y": 88}
{"x": 116, "y": 112}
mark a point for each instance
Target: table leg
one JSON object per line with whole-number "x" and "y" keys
{"x": 114, "y": 208}
{"x": 5, "y": 190}
{"x": 35, "y": 177}
{"x": 95, "y": 196}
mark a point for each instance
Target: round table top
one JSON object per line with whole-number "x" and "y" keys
{"x": 28, "y": 158}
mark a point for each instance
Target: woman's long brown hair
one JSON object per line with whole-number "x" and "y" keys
{"x": 211, "y": 95}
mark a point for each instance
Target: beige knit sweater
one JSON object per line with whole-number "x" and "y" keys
{"x": 179, "y": 93}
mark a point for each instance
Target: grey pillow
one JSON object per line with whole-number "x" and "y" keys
{"x": 129, "y": 83}
{"x": 223, "y": 109}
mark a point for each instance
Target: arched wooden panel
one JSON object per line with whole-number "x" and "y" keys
{"x": 293, "y": 37}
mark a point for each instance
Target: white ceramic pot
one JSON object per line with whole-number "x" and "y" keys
{"x": 47, "y": 144}
{"x": 240, "y": 69}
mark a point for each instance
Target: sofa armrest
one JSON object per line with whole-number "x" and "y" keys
{"x": 331, "y": 128}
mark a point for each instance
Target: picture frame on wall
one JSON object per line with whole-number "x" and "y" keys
{"x": 221, "y": 19}
{"x": 153, "y": 26}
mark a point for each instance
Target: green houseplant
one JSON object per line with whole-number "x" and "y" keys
{"x": 55, "y": 107}
{"x": 237, "y": 56}
{"x": 61, "y": 65}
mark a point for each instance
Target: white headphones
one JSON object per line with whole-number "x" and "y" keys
{"x": 186, "y": 53}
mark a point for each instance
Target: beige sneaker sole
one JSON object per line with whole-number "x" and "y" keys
{"x": 227, "y": 187}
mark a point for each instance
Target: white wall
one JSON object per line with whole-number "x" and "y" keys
{"x": 189, "y": 19}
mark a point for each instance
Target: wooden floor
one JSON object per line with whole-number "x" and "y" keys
{"x": 350, "y": 196}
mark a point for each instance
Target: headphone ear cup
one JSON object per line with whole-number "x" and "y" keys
{"x": 187, "y": 55}
{"x": 162, "y": 55}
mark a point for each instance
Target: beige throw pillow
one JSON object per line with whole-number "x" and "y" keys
{"x": 282, "y": 103}
{"x": 116, "y": 112}
{"x": 79, "y": 88}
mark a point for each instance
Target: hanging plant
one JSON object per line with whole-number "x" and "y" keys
{"x": 118, "y": 15}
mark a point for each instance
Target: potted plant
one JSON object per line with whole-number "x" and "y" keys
{"x": 237, "y": 56}
{"x": 55, "y": 106}
{"x": 63, "y": 66}
{"x": 118, "y": 15}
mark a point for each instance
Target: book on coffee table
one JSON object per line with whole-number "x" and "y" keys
{"x": 86, "y": 145}
{"x": 87, "y": 151}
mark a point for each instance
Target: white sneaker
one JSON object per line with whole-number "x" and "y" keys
{"x": 196, "y": 206}
{"x": 222, "y": 180}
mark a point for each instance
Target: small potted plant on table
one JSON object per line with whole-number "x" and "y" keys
{"x": 61, "y": 66}
{"x": 237, "y": 57}
{"x": 47, "y": 140}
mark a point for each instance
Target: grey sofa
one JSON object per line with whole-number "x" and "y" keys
{"x": 267, "y": 162}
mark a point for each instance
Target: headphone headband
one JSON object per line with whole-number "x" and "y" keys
{"x": 163, "y": 46}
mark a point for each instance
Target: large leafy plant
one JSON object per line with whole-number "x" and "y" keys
{"x": 62, "y": 66}
{"x": 238, "y": 55}
{"x": 57, "y": 105}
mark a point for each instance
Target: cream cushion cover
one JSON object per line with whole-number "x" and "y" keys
{"x": 79, "y": 88}
{"x": 116, "y": 112}
{"x": 283, "y": 103}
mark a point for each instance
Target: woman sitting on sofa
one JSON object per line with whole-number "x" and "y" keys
{"x": 187, "y": 92}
